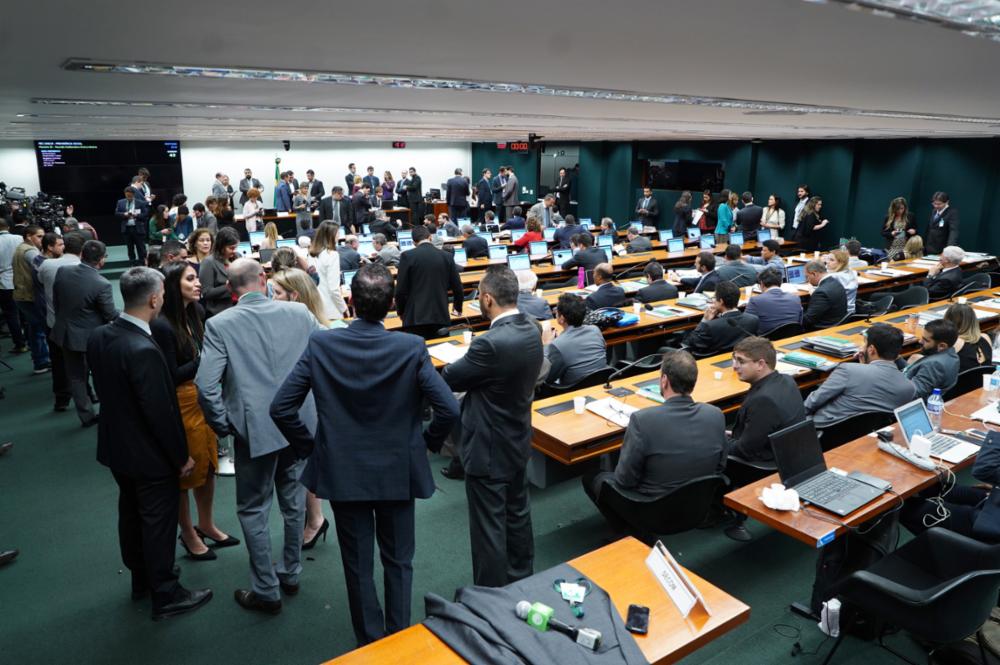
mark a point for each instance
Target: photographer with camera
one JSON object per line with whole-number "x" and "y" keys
{"x": 132, "y": 213}
{"x": 8, "y": 245}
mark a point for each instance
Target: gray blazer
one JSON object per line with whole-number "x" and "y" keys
{"x": 738, "y": 272}
{"x": 854, "y": 388}
{"x": 533, "y": 306}
{"x": 640, "y": 244}
{"x": 577, "y": 353}
{"x": 83, "y": 301}
{"x": 511, "y": 191}
{"x": 219, "y": 190}
{"x": 937, "y": 371}
{"x": 248, "y": 351}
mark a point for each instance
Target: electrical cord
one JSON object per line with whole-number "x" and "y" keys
{"x": 793, "y": 632}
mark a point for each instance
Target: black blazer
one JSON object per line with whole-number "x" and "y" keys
{"x": 652, "y": 215}
{"x": 805, "y": 234}
{"x": 563, "y": 190}
{"x": 385, "y": 227}
{"x": 424, "y": 277}
{"x": 457, "y": 192}
{"x": 484, "y": 194}
{"x": 181, "y": 361}
{"x": 346, "y": 210}
{"x": 941, "y": 232}
{"x": 361, "y": 208}
{"x": 771, "y": 404}
{"x": 607, "y": 295}
{"x": 827, "y": 304}
{"x": 682, "y": 220}
{"x": 349, "y": 181}
{"x": 706, "y": 282}
{"x": 589, "y": 258}
{"x": 316, "y": 189}
{"x": 661, "y": 289}
{"x": 943, "y": 284}
{"x": 140, "y": 433}
{"x": 887, "y": 232}
{"x": 748, "y": 219}
{"x": 498, "y": 377}
{"x": 414, "y": 191}
{"x": 476, "y": 247}
{"x": 721, "y": 333}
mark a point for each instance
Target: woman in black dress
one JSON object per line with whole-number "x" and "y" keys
{"x": 807, "y": 235}
{"x": 682, "y": 215}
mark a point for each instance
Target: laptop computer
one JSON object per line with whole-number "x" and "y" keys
{"x": 461, "y": 257}
{"x": 366, "y": 229}
{"x": 405, "y": 244}
{"x": 694, "y": 233}
{"x": 609, "y": 252}
{"x": 913, "y": 419}
{"x": 349, "y": 277}
{"x": 287, "y": 242}
{"x": 366, "y": 248}
{"x": 763, "y": 234}
{"x": 519, "y": 262}
{"x": 498, "y": 252}
{"x": 404, "y": 235}
{"x": 635, "y": 225}
{"x": 736, "y": 238}
{"x": 605, "y": 241}
{"x": 493, "y": 228}
{"x": 665, "y": 235}
{"x": 538, "y": 248}
{"x": 266, "y": 255}
{"x": 549, "y": 234}
{"x": 586, "y": 222}
{"x": 485, "y": 235}
{"x": 802, "y": 467}
{"x": 244, "y": 249}
{"x": 256, "y": 237}
{"x": 675, "y": 245}
{"x": 795, "y": 274}
{"x": 561, "y": 256}
{"x": 706, "y": 241}
{"x": 516, "y": 234}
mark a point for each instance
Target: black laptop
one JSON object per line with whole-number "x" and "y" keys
{"x": 801, "y": 466}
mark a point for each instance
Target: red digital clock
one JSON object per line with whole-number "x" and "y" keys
{"x": 520, "y": 146}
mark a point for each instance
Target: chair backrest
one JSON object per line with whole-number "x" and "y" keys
{"x": 911, "y": 297}
{"x": 592, "y": 379}
{"x": 975, "y": 282}
{"x": 783, "y": 331}
{"x": 882, "y": 302}
{"x": 968, "y": 380}
{"x": 681, "y": 509}
{"x": 994, "y": 279}
{"x": 851, "y": 428}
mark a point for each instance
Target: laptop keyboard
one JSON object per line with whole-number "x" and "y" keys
{"x": 824, "y": 488}
{"x": 941, "y": 443}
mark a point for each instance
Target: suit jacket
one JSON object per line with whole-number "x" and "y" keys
{"x": 284, "y": 193}
{"x": 661, "y": 289}
{"x": 738, "y": 272}
{"x": 349, "y": 181}
{"x": 652, "y": 211}
{"x": 589, "y": 258}
{"x": 827, "y": 304}
{"x": 498, "y": 376}
{"x": 682, "y": 219}
{"x": 484, "y": 193}
{"x": 316, "y": 189}
{"x": 496, "y": 186}
{"x": 140, "y": 220}
{"x": 640, "y": 244}
{"x": 654, "y": 464}
{"x": 939, "y": 370}
{"x": 566, "y": 233}
{"x": 606, "y": 295}
{"x": 219, "y": 190}
{"x": 476, "y": 247}
{"x": 748, "y": 219}
{"x": 706, "y": 282}
{"x": 575, "y": 354}
{"x": 83, "y": 302}
{"x": 942, "y": 231}
{"x": 771, "y": 404}
{"x": 346, "y": 210}
{"x": 362, "y": 208}
{"x": 372, "y": 181}
{"x": 140, "y": 433}
{"x": 247, "y": 352}
{"x": 721, "y": 333}
{"x": 775, "y": 308}
{"x": 246, "y": 185}
{"x": 414, "y": 190}
{"x": 889, "y": 231}
{"x": 944, "y": 283}
{"x": 358, "y": 453}
{"x": 349, "y": 258}
{"x": 457, "y": 192}
{"x": 563, "y": 193}
{"x": 854, "y": 388}
{"x": 511, "y": 191}
{"x": 531, "y": 305}
{"x": 422, "y": 283}
{"x": 986, "y": 469}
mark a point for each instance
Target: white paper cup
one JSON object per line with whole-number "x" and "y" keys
{"x": 680, "y": 294}
{"x": 802, "y": 255}
{"x": 816, "y": 254}
{"x": 884, "y": 265}
{"x": 636, "y": 307}
{"x": 986, "y": 382}
{"x": 467, "y": 337}
{"x": 718, "y": 376}
{"x": 961, "y": 300}
{"x": 540, "y": 293}
{"x": 579, "y": 405}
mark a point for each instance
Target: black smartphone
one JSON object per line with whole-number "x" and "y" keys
{"x": 638, "y": 619}
{"x": 618, "y": 392}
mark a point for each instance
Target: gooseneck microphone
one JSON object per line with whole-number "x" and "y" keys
{"x": 539, "y": 617}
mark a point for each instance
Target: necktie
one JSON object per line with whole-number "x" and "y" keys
{"x": 548, "y": 219}
{"x": 336, "y": 211}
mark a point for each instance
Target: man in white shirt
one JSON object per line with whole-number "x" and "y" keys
{"x": 803, "y": 196}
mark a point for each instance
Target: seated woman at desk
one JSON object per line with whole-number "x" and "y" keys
{"x": 534, "y": 234}
{"x": 974, "y": 348}
{"x": 270, "y": 240}
{"x": 838, "y": 265}
{"x": 914, "y": 248}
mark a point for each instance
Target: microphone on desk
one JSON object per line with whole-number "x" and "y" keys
{"x": 539, "y": 617}
{"x": 619, "y": 372}
{"x": 627, "y": 271}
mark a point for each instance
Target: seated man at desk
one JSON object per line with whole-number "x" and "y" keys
{"x": 637, "y": 242}
{"x": 723, "y": 324}
{"x": 476, "y": 247}
{"x": 768, "y": 257}
{"x": 576, "y": 352}
{"x": 874, "y": 383}
{"x": 586, "y": 254}
{"x": 564, "y": 234}
{"x": 772, "y": 403}
{"x": 828, "y": 303}
{"x": 350, "y": 259}
{"x": 387, "y": 253}
{"x": 527, "y": 302}
{"x": 855, "y": 262}
{"x": 516, "y": 221}
{"x": 704, "y": 263}
{"x": 774, "y": 307}
{"x": 669, "y": 444}
{"x": 936, "y": 366}
{"x": 608, "y": 294}
{"x": 735, "y": 270}
{"x": 946, "y": 277}
{"x": 658, "y": 288}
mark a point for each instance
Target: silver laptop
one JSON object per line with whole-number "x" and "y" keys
{"x": 913, "y": 419}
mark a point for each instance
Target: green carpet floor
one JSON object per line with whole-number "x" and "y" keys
{"x": 66, "y": 599}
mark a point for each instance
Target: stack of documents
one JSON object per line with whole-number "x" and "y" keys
{"x": 447, "y": 352}
{"x": 807, "y": 360}
{"x": 831, "y": 346}
{"x": 613, "y": 410}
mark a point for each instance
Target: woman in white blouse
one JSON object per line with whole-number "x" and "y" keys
{"x": 838, "y": 266}
{"x": 253, "y": 210}
{"x": 323, "y": 251}
{"x": 773, "y": 217}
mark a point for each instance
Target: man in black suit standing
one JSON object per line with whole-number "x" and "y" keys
{"x": 141, "y": 439}
{"x": 133, "y": 218}
{"x": 723, "y": 324}
{"x": 658, "y": 288}
{"x": 484, "y": 194}
{"x": 369, "y": 494}
{"x": 457, "y": 195}
{"x": 352, "y": 171}
{"x": 496, "y": 186}
{"x": 608, "y": 294}
{"x": 425, "y": 276}
{"x": 316, "y": 189}
{"x": 943, "y": 229}
{"x": 362, "y": 204}
{"x": 828, "y": 302}
{"x": 647, "y": 209}
{"x": 748, "y": 217}
{"x": 337, "y": 209}
{"x": 498, "y": 377}
{"x": 562, "y": 190}
{"x": 415, "y": 196}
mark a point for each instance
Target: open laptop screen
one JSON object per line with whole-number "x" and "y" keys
{"x": 549, "y": 234}
{"x": 519, "y": 262}
{"x": 797, "y": 453}
{"x": 795, "y": 274}
{"x": 605, "y": 241}
{"x": 666, "y": 234}
{"x": 706, "y": 241}
{"x": 498, "y": 252}
{"x": 675, "y": 245}
{"x": 763, "y": 234}
{"x": 256, "y": 237}
{"x": 913, "y": 420}
{"x": 736, "y": 238}
{"x": 516, "y": 234}
{"x": 561, "y": 256}
{"x": 538, "y": 248}
{"x": 287, "y": 242}
{"x": 460, "y": 256}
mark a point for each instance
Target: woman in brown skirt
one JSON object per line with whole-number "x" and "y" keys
{"x": 179, "y": 331}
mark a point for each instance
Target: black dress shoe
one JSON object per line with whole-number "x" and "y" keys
{"x": 247, "y": 599}
{"x": 93, "y": 421}
{"x": 60, "y": 406}
{"x": 229, "y": 541}
{"x": 288, "y": 589}
{"x": 454, "y": 471}
{"x": 8, "y": 556}
{"x": 188, "y": 601}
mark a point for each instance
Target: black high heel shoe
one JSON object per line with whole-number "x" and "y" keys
{"x": 321, "y": 532}
{"x": 229, "y": 541}
{"x": 204, "y": 556}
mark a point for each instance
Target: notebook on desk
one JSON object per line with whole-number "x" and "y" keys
{"x": 613, "y": 410}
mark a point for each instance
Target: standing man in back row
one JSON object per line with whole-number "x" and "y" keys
{"x": 497, "y": 187}
{"x": 511, "y": 194}
{"x": 943, "y": 229}
{"x": 498, "y": 376}
{"x": 457, "y": 195}
{"x": 247, "y": 183}
{"x": 484, "y": 195}
{"x": 415, "y": 196}
{"x": 425, "y": 276}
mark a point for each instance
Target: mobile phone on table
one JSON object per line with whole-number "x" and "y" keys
{"x": 638, "y": 619}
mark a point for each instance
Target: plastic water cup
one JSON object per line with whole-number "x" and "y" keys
{"x": 986, "y": 383}
{"x": 718, "y": 376}
{"x": 467, "y": 337}
{"x": 816, "y": 254}
{"x": 961, "y": 300}
{"x": 636, "y": 307}
{"x": 579, "y": 405}
{"x": 884, "y": 265}
{"x": 539, "y": 293}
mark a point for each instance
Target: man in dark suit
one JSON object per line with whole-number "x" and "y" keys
{"x": 704, "y": 263}
{"x": 946, "y": 277}
{"x": 425, "y": 276}
{"x": 457, "y": 195}
{"x": 749, "y": 216}
{"x": 563, "y": 193}
{"x": 498, "y": 375}
{"x": 723, "y": 324}
{"x": 316, "y": 189}
{"x": 132, "y": 213}
{"x": 83, "y": 302}
{"x": 586, "y": 255}
{"x": 141, "y": 439}
{"x": 352, "y": 171}
{"x": 496, "y": 186}
{"x": 370, "y": 473}
{"x": 362, "y": 207}
{"x": 943, "y": 228}
{"x": 476, "y": 247}
{"x": 828, "y": 302}
{"x": 652, "y": 461}
{"x": 337, "y": 209}
{"x": 774, "y": 307}
{"x": 484, "y": 194}
{"x": 659, "y": 288}
{"x": 415, "y": 195}
{"x": 283, "y": 202}
{"x": 608, "y": 294}
{"x": 564, "y": 234}
{"x": 637, "y": 242}
{"x": 647, "y": 209}
{"x": 528, "y": 303}
{"x": 371, "y": 179}
{"x": 247, "y": 183}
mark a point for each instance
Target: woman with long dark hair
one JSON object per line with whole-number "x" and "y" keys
{"x": 179, "y": 331}
{"x": 899, "y": 226}
{"x": 682, "y": 215}
{"x": 160, "y": 228}
{"x": 323, "y": 253}
{"x": 213, "y": 272}
{"x": 774, "y": 215}
{"x": 199, "y": 246}
{"x": 810, "y": 224}
{"x": 708, "y": 218}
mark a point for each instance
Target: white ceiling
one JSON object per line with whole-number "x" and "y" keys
{"x": 787, "y": 51}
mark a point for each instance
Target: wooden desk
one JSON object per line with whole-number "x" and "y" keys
{"x": 864, "y": 455}
{"x": 618, "y": 568}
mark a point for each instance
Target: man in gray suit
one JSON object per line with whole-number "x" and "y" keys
{"x": 511, "y": 194}
{"x": 735, "y": 270}
{"x": 247, "y": 183}
{"x": 248, "y": 351}
{"x": 637, "y": 242}
{"x": 546, "y": 212}
{"x": 498, "y": 376}
{"x": 82, "y": 300}
{"x": 578, "y": 351}
{"x": 936, "y": 366}
{"x": 219, "y": 187}
{"x": 774, "y": 307}
{"x": 874, "y": 383}
{"x": 527, "y": 302}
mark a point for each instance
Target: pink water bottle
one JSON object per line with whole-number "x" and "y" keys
{"x": 581, "y": 278}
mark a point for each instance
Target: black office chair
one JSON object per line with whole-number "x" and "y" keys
{"x": 678, "y": 510}
{"x": 940, "y": 586}
{"x": 994, "y": 279}
{"x": 911, "y": 297}
{"x": 968, "y": 380}
{"x": 852, "y": 427}
{"x": 976, "y": 282}
{"x": 625, "y": 368}
{"x": 880, "y": 303}
{"x": 844, "y": 319}
{"x": 783, "y": 331}
{"x": 593, "y": 379}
